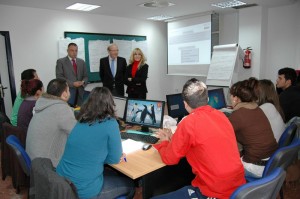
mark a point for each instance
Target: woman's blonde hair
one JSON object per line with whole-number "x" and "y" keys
{"x": 143, "y": 58}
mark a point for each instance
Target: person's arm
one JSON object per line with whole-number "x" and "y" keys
{"x": 172, "y": 151}
{"x": 60, "y": 72}
{"x": 144, "y": 75}
{"x": 236, "y": 122}
{"x": 124, "y": 70}
{"x": 85, "y": 77}
{"x": 114, "y": 144}
{"x": 67, "y": 118}
{"x": 101, "y": 69}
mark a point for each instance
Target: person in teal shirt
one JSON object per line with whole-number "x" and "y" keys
{"x": 25, "y": 75}
{"x": 94, "y": 141}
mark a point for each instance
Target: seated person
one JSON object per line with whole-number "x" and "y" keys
{"x": 51, "y": 124}
{"x": 268, "y": 101}
{"x": 26, "y": 75}
{"x": 94, "y": 141}
{"x": 31, "y": 90}
{"x": 290, "y": 96}
{"x": 252, "y": 128}
{"x": 206, "y": 138}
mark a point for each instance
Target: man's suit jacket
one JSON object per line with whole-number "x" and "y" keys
{"x": 107, "y": 77}
{"x": 64, "y": 69}
{"x": 138, "y": 83}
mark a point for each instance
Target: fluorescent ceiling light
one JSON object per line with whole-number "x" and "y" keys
{"x": 160, "y": 18}
{"x": 82, "y": 7}
{"x": 157, "y": 4}
{"x": 228, "y": 4}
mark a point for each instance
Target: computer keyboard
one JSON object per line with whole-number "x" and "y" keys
{"x": 140, "y": 137}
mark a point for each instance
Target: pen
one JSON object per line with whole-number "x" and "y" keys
{"x": 125, "y": 159}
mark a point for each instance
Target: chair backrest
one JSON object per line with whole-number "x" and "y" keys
{"x": 283, "y": 157}
{"x": 267, "y": 187}
{"x": 46, "y": 183}
{"x": 20, "y": 153}
{"x": 288, "y": 135}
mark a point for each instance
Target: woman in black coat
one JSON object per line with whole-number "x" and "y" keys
{"x": 136, "y": 75}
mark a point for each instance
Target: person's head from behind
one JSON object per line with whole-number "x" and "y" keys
{"x": 29, "y": 74}
{"x": 59, "y": 88}
{"x": 267, "y": 94}
{"x": 99, "y": 105}
{"x": 33, "y": 87}
{"x": 194, "y": 94}
{"x": 113, "y": 51}
{"x": 137, "y": 55}
{"x": 244, "y": 91}
{"x": 286, "y": 78}
{"x": 72, "y": 50}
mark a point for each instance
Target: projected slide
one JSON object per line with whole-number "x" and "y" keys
{"x": 190, "y": 45}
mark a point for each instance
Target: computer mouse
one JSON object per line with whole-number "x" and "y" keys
{"x": 146, "y": 147}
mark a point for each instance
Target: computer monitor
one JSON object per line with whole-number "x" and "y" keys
{"x": 145, "y": 113}
{"x": 175, "y": 106}
{"x": 216, "y": 98}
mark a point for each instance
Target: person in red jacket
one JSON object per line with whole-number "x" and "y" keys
{"x": 207, "y": 140}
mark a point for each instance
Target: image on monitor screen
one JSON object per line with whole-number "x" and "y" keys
{"x": 175, "y": 106}
{"x": 216, "y": 98}
{"x": 145, "y": 113}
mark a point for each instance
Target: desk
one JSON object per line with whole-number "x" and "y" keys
{"x": 156, "y": 178}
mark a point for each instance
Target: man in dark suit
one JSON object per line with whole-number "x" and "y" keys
{"x": 112, "y": 71}
{"x": 74, "y": 70}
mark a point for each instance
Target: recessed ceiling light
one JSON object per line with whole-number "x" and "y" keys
{"x": 228, "y": 4}
{"x": 160, "y": 18}
{"x": 82, "y": 7}
{"x": 156, "y": 4}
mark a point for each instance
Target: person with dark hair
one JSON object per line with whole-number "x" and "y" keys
{"x": 136, "y": 75}
{"x": 74, "y": 70}
{"x": 31, "y": 90}
{"x": 268, "y": 102}
{"x": 25, "y": 75}
{"x": 290, "y": 96}
{"x": 51, "y": 124}
{"x": 112, "y": 71}
{"x": 94, "y": 141}
{"x": 251, "y": 126}
{"x": 206, "y": 138}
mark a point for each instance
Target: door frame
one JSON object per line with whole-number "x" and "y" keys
{"x": 10, "y": 65}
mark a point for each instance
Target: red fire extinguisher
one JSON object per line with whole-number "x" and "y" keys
{"x": 247, "y": 58}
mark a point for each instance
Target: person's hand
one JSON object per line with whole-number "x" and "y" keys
{"x": 78, "y": 84}
{"x": 164, "y": 134}
{"x": 130, "y": 79}
{"x": 123, "y": 158}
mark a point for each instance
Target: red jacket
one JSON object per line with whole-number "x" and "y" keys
{"x": 206, "y": 138}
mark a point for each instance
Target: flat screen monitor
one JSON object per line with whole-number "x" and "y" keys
{"x": 175, "y": 106}
{"x": 216, "y": 98}
{"x": 145, "y": 113}
{"x": 120, "y": 103}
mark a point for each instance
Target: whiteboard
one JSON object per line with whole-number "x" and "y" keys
{"x": 224, "y": 65}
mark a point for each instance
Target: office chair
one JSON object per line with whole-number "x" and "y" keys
{"x": 266, "y": 187}
{"x": 288, "y": 135}
{"x": 21, "y": 155}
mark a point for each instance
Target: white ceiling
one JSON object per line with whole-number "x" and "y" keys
{"x": 129, "y": 8}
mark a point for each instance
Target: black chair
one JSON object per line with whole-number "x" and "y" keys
{"x": 45, "y": 183}
{"x": 267, "y": 187}
{"x": 20, "y": 154}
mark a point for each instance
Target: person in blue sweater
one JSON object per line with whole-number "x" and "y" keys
{"x": 94, "y": 141}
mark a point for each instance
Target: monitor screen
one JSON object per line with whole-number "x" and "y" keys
{"x": 216, "y": 98}
{"x": 120, "y": 103}
{"x": 145, "y": 113}
{"x": 175, "y": 106}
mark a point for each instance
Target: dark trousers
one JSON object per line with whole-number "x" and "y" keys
{"x": 137, "y": 96}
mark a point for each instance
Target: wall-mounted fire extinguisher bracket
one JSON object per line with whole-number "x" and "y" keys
{"x": 247, "y": 58}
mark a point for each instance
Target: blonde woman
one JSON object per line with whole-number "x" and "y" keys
{"x": 136, "y": 75}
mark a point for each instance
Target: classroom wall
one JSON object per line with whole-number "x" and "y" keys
{"x": 34, "y": 35}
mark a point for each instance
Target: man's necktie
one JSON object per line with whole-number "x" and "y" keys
{"x": 74, "y": 66}
{"x": 112, "y": 67}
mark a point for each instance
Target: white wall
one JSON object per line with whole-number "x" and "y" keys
{"x": 34, "y": 35}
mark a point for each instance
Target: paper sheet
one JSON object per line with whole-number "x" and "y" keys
{"x": 130, "y": 146}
